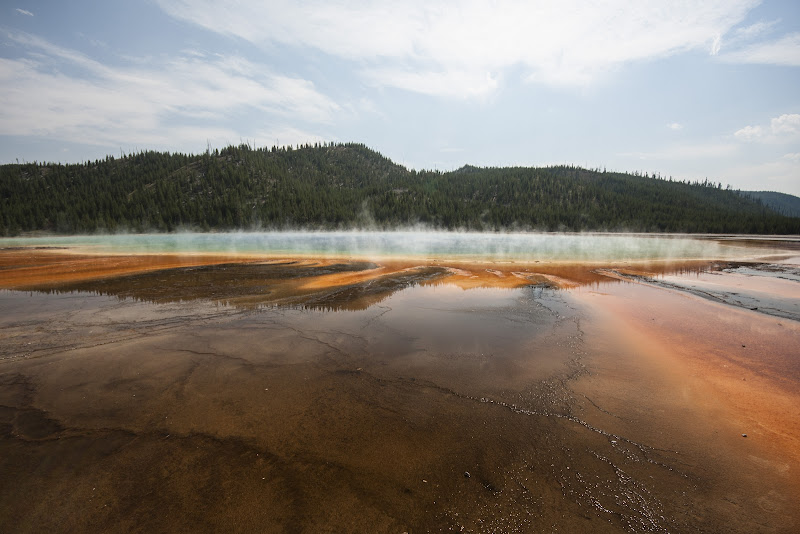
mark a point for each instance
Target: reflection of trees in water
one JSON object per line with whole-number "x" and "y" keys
{"x": 254, "y": 285}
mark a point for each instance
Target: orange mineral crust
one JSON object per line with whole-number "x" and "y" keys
{"x": 32, "y": 267}
{"x": 29, "y": 267}
{"x": 177, "y": 393}
{"x": 720, "y": 384}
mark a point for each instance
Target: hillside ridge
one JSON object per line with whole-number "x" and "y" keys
{"x": 348, "y": 185}
{"x": 782, "y": 203}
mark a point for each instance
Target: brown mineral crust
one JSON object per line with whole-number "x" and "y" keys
{"x": 24, "y": 268}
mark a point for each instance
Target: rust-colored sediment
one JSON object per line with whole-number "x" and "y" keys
{"x": 24, "y": 268}
{"x": 727, "y": 377}
{"x": 31, "y": 267}
{"x": 121, "y": 416}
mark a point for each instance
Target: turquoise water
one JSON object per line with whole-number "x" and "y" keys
{"x": 430, "y": 245}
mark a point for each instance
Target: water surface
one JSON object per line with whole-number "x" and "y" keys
{"x": 589, "y": 247}
{"x": 398, "y": 382}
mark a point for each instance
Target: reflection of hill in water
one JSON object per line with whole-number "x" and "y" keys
{"x": 348, "y": 285}
{"x": 252, "y": 285}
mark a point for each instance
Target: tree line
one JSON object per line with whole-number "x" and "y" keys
{"x": 339, "y": 186}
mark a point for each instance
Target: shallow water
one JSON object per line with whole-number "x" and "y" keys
{"x": 423, "y": 244}
{"x": 348, "y": 396}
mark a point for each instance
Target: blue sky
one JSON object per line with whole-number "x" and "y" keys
{"x": 688, "y": 89}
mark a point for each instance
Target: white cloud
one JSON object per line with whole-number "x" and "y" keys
{"x": 716, "y": 45}
{"x": 784, "y": 51}
{"x": 24, "y": 12}
{"x": 154, "y": 103}
{"x": 429, "y": 46}
{"x": 748, "y": 133}
{"x": 46, "y": 51}
{"x": 761, "y": 156}
{"x": 458, "y": 84}
{"x": 738, "y": 38}
{"x": 780, "y": 130}
{"x": 786, "y": 124}
{"x": 754, "y": 30}
{"x": 675, "y": 126}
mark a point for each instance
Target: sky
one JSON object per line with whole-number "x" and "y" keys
{"x": 687, "y": 89}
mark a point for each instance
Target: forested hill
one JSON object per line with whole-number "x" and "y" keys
{"x": 347, "y": 186}
{"x": 778, "y": 202}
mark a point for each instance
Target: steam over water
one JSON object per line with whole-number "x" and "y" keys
{"x": 510, "y": 246}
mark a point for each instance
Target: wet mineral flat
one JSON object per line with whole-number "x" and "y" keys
{"x": 365, "y": 396}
